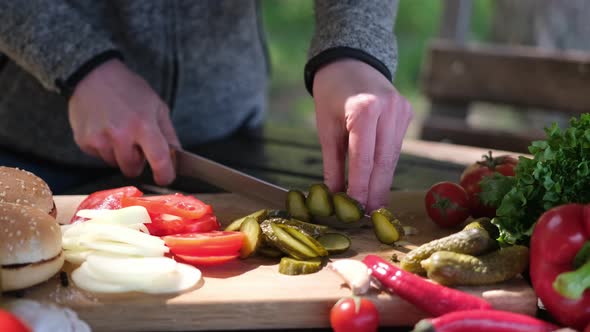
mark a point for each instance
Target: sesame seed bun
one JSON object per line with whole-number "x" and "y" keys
{"x": 30, "y": 246}
{"x": 25, "y": 188}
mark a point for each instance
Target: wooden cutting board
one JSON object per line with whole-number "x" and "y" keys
{"x": 251, "y": 294}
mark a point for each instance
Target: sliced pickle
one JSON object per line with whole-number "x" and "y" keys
{"x": 278, "y": 214}
{"x": 270, "y": 252}
{"x": 387, "y": 228}
{"x": 307, "y": 240}
{"x": 319, "y": 200}
{"x": 347, "y": 209}
{"x": 259, "y": 215}
{"x": 252, "y": 237}
{"x": 292, "y": 266}
{"x": 314, "y": 230}
{"x": 283, "y": 241}
{"x": 296, "y": 205}
{"x": 335, "y": 243}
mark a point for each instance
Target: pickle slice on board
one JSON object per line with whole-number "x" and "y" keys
{"x": 296, "y": 206}
{"x": 314, "y": 230}
{"x": 259, "y": 215}
{"x": 252, "y": 237}
{"x": 292, "y": 266}
{"x": 319, "y": 200}
{"x": 347, "y": 209}
{"x": 335, "y": 243}
{"x": 283, "y": 241}
{"x": 268, "y": 251}
{"x": 387, "y": 228}
{"x": 454, "y": 269}
{"x": 305, "y": 239}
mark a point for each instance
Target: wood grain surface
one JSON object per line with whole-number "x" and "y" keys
{"x": 251, "y": 294}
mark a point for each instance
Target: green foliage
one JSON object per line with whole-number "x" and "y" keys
{"x": 557, "y": 174}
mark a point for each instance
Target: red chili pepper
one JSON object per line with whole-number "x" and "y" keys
{"x": 557, "y": 241}
{"x": 483, "y": 321}
{"x": 433, "y": 298}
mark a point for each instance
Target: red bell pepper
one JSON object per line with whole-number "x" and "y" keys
{"x": 559, "y": 263}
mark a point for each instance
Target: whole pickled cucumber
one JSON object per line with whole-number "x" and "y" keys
{"x": 292, "y": 266}
{"x": 453, "y": 269}
{"x": 474, "y": 239}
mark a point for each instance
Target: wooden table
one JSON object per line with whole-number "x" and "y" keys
{"x": 292, "y": 158}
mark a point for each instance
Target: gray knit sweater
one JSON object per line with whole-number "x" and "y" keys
{"x": 205, "y": 58}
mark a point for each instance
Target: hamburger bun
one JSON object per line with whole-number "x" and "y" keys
{"x": 25, "y": 188}
{"x": 30, "y": 246}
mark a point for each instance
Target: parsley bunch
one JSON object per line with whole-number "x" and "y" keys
{"x": 558, "y": 173}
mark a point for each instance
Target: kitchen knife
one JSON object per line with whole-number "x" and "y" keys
{"x": 198, "y": 167}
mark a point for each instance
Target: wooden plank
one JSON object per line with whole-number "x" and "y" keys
{"x": 251, "y": 294}
{"x": 522, "y": 76}
{"x": 456, "y": 132}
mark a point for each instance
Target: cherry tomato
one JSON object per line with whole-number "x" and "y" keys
{"x": 106, "y": 199}
{"x": 206, "y": 260}
{"x": 447, "y": 204}
{"x": 473, "y": 174}
{"x": 215, "y": 243}
{"x": 11, "y": 323}
{"x": 354, "y": 314}
{"x": 187, "y": 207}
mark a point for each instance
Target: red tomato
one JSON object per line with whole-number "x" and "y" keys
{"x": 106, "y": 199}
{"x": 11, "y": 323}
{"x": 476, "y": 172}
{"x": 187, "y": 207}
{"x": 447, "y": 204}
{"x": 161, "y": 226}
{"x": 206, "y": 260}
{"x": 215, "y": 243}
{"x": 354, "y": 314}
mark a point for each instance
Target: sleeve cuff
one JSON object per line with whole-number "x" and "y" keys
{"x": 332, "y": 54}
{"x": 67, "y": 86}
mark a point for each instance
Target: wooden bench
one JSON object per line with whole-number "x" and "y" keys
{"x": 457, "y": 73}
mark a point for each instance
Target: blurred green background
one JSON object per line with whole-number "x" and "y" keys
{"x": 289, "y": 26}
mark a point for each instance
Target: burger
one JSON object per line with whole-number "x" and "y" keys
{"x": 25, "y": 188}
{"x": 30, "y": 246}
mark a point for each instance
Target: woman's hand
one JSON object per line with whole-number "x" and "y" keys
{"x": 116, "y": 116}
{"x": 360, "y": 114}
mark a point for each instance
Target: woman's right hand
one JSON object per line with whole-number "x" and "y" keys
{"x": 116, "y": 116}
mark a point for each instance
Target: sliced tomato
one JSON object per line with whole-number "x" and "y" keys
{"x": 206, "y": 260}
{"x": 109, "y": 199}
{"x": 162, "y": 225}
{"x": 204, "y": 224}
{"x": 217, "y": 243}
{"x": 187, "y": 207}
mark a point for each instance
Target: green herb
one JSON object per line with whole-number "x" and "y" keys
{"x": 557, "y": 174}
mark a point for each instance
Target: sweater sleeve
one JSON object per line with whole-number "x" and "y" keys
{"x": 361, "y": 30}
{"x": 52, "y": 41}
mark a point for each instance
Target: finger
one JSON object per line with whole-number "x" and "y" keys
{"x": 391, "y": 130}
{"x": 157, "y": 152}
{"x": 362, "y": 114}
{"x": 104, "y": 149}
{"x": 333, "y": 141}
{"x": 127, "y": 154}
{"x": 166, "y": 127}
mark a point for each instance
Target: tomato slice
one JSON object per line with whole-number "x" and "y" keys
{"x": 206, "y": 260}
{"x": 187, "y": 207}
{"x": 109, "y": 199}
{"x": 162, "y": 225}
{"x": 217, "y": 243}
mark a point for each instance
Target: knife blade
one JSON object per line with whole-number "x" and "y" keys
{"x": 198, "y": 167}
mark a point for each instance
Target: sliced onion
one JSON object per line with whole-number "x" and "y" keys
{"x": 84, "y": 279}
{"x": 124, "y": 248}
{"x": 77, "y": 256}
{"x": 182, "y": 278}
{"x": 113, "y": 233}
{"x": 127, "y": 215}
{"x": 140, "y": 270}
